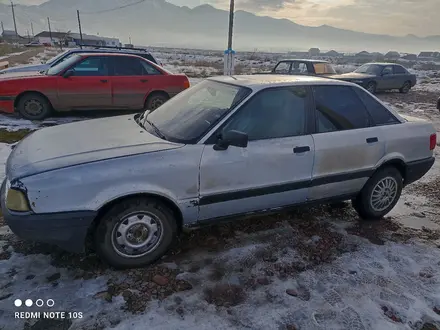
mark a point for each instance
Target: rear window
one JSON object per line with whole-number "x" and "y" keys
{"x": 399, "y": 69}
{"x": 379, "y": 114}
{"x": 323, "y": 68}
{"x": 148, "y": 57}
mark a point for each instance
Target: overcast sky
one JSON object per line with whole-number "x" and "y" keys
{"x": 395, "y": 17}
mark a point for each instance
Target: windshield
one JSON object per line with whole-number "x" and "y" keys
{"x": 57, "y": 57}
{"x": 369, "y": 68}
{"x": 189, "y": 115}
{"x": 60, "y": 67}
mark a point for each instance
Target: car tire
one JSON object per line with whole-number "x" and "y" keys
{"x": 155, "y": 100}
{"x": 405, "y": 88}
{"x": 371, "y": 87}
{"x": 135, "y": 233}
{"x": 33, "y": 106}
{"x": 386, "y": 182}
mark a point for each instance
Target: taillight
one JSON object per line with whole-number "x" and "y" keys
{"x": 186, "y": 84}
{"x": 432, "y": 141}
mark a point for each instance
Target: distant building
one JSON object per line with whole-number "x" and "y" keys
{"x": 12, "y": 37}
{"x": 410, "y": 57}
{"x": 426, "y": 56}
{"x": 68, "y": 38}
{"x": 333, "y": 53}
{"x": 364, "y": 54}
{"x": 314, "y": 52}
{"x": 392, "y": 55}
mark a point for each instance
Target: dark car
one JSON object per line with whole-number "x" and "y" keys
{"x": 381, "y": 76}
{"x": 303, "y": 67}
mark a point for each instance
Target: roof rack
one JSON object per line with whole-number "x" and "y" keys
{"x": 113, "y": 47}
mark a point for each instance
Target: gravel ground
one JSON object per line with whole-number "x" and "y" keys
{"x": 314, "y": 268}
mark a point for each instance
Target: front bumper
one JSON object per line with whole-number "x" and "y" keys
{"x": 7, "y": 104}
{"x": 68, "y": 230}
{"x": 417, "y": 169}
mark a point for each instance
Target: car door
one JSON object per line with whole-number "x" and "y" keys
{"x": 387, "y": 78}
{"x": 132, "y": 80}
{"x": 274, "y": 170}
{"x": 400, "y": 76}
{"x": 347, "y": 145}
{"x": 88, "y": 87}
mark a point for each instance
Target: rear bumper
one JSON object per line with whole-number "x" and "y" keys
{"x": 67, "y": 230}
{"x": 416, "y": 170}
{"x": 7, "y": 104}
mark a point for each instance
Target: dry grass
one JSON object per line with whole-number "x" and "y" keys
{"x": 6, "y": 49}
{"x": 12, "y": 137}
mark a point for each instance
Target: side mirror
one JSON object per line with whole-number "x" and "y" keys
{"x": 68, "y": 73}
{"x": 232, "y": 138}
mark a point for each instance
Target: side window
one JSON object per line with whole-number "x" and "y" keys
{"x": 299, "y": 68}
{"x": 338, "y": 108}
{"x": 272, "y": 114}
{"x": 91, "y": 66}
{"x": 379, "y": 114}
{"x": 282, "y": 67}
{"x": 387, "y": 70}
{"x": 127, "y": 66}
{"x": 399, "y": 70}
{"x": 149, "y": 69}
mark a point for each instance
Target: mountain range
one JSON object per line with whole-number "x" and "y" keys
{"x": 160, "y": 23}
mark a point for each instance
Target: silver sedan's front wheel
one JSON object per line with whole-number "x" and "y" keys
{"x": 380, "y": 194}
{"x": 135, "y": 232}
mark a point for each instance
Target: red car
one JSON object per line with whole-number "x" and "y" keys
{"x": 90, "y": 82}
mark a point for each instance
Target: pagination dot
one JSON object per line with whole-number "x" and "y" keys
{"x": 17, "y": 302}
{"x": 28, "y": 302}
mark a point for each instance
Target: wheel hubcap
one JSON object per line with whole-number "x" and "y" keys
{"x": 137, "y": 235}
{"x": 384, "y": 194}
{"x": 370, "y": 88}
{"x": 33, "y": 107}
{"x": 405, "y": 88}
{"x": 156, "y": 103}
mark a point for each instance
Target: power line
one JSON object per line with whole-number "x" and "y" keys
{"x": 113, "y": 9}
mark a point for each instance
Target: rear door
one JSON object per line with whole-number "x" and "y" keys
{"x": 88, "y": 88}
{"x": 347, "y": 145}
{"x": 132, "y": 80}
{"x": 400, "y": 76}
{"x": 274, "y": 170}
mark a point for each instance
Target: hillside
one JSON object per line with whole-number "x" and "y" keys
{"x": 157, "y": 22}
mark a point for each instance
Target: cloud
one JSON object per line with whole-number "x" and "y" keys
{"x": 24, "y": 2}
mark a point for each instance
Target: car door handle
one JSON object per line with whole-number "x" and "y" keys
{"x": 104, "y": 80}
{"x": 144, "y": 80}
{"x": 372, "y": 140}
{"x": 298, "y": 150}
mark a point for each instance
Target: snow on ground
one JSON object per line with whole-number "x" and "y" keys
{"x": 310, "y": 269}
{"x": 12, "y": 54}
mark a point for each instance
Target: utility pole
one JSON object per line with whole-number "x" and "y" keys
{"x": 13, "y": 17}
{"x": 29, "y": 37}
{"x": 50, "y": 31}
{"x": 32, "y": 29}
{"x": 3, "y": 28}
{"x": 229, "y": 53}
{"x": 80, "y": 30}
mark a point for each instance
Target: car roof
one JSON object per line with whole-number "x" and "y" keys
{"x": 302, "y": 60}
{"x": 107, "y": 54}
{"x": 261, "y": 81}
{"x": 383, "y": 63}
{"x": 109, "y": 50}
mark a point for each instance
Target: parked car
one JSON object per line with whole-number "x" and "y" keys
{"x": 61, "y": 57}
{"x": 227, "y": 146}
{"x": 33, "y": 44}
{"x": 90, "y": 81}
{"x": 380, "y": 77}
{"x": 303, "y": 67}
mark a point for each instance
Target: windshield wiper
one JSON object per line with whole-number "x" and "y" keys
{"x": 157, "y": 130}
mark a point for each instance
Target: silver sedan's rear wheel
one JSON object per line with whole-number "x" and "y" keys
{"x": 380, "y": 194}
{"x": 135, "y": 232}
